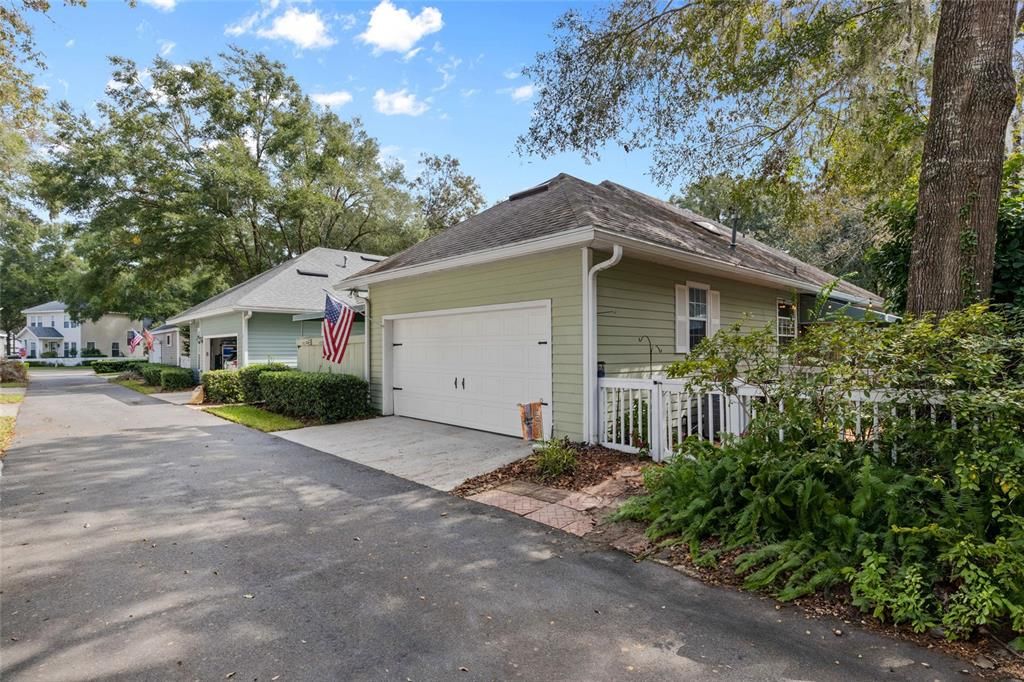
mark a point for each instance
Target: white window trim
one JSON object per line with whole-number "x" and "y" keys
{"x": 683, "y": 313}
{"x": 778, "y": 336}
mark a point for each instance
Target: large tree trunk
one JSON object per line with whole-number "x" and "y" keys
{"x": 973, "y": 93}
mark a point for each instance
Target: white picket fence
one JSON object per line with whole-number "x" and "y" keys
{"x": 656, "y": 415}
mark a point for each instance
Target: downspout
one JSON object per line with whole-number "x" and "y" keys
{"x": 245, "y": 339}
{"x": 366, "y": 337}
{"x": 590, "y": 386}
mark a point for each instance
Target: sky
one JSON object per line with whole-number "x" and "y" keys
{"x": 437, "y": 77}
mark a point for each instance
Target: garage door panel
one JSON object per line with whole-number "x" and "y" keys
{"x": 498, "y": 354}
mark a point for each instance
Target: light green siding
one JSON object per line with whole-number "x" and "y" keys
{"x": 273, "y": 337}
{"x": 637, "y": 298}
{"x": 555, "y": 276}
{"x": 219, "y": 325}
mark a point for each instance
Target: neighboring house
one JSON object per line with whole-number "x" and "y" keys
{"x": 167, "y": 346}
{"x": 261, "y": 319}
{"x": 51, "y": 329}
{"x": 534, "y": 297}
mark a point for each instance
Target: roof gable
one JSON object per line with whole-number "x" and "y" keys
{"x": 48, "y": 307}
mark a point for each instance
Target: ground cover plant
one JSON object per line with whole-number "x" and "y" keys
{"x": 915, "y": 511}
{"x": 255, "y": 417}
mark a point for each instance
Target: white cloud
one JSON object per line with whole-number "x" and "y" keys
{"x": 511, "y": 74}
{"x": 522, "y": 93}
{"x": 166, "y": 47}
{"x": 400, "y": 102}
{"x": 162, "y": 5}
{"x": 65, "y": 84}
{"x": 447, "y": 71}
{"x": 411, "y": 53}
{"x": 346, "y": 22}
{"x": 248, "y": 23}
{"x": 70, "y": 43}
{"x": 332, "y": 99}
{"x": 395, "y": 30}
{"x": 305, "y": 29}
{"x": 469, "y": 92}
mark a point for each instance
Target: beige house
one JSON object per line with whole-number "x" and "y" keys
{"x": 572, "y": 294}
{"x": 50, "y": 329}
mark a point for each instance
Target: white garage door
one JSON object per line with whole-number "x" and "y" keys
{"x": 473, "y": 368}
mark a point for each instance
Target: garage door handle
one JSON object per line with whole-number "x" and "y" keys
{"x": 463, "y": 383}
{"x": 456, "y": 383}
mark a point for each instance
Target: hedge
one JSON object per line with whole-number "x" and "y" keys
{"x": 117, "y": 366}
{"x": 316, "y": 395}
{"x": 222, "y": 386}
{"x": 175, "y": 378}
{"x": 151, "y": 373}
{"x": 250, "y": 378}
{"x": 92, "y": 353}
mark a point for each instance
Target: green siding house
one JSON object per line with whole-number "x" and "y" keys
{"x": 261, "y": 319}
{"x": 562, "y": 294}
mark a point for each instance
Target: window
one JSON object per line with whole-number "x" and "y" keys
{"x": 53, "y": 321}
{"x": 90, "y": 345}
{"x": 697, "y": 314}
{"x": 67, "y": 323}
{"x": 67, "y": 347}
{"x": 74, "y": 349}
{"x": 115, "y": 350}
{"x": 31, "y": 349}
{"x": 785, "y": 329}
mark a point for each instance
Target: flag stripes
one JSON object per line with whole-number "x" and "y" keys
{"x": 336, "y": 328}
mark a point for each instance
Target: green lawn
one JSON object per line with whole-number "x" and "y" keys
{"x": 6, "y": 433}
{"x": 8, "y": 399}
{"x": 135, "y": 385}
{"x": 255, "y": 417}
{"x": 13, "y": 384}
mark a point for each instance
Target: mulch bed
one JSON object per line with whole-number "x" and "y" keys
{"x": 596, "y": 465}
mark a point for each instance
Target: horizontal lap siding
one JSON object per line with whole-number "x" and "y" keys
{"x": 554, "y": 276}
{"x": 274, "y": 338}
{"x": 218, "y": 325}
{"x": 637, "y": 298}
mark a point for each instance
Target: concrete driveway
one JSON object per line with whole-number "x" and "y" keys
{"x": 148, "y": 541}
{"x": 435, "y": 455}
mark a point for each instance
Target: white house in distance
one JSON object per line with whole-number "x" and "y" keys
{"x": 167, "y": 346}
{"x": 51, "y": 329}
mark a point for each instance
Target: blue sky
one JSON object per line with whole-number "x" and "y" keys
{"x": 434, "y": 77}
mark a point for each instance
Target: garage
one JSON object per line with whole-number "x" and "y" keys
{"x": 472, "y": 367}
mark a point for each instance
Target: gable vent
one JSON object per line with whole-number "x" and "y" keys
{"x": 310, "y": 273}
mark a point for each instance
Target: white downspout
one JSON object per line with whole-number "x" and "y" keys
{"x": 590, "y": 387}
{"x": 366, "y": 337}
{"x": 245, "y": 339}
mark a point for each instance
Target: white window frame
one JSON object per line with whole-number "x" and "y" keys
{"x": 682, "y": 313}
{"x": 778, "y": 319}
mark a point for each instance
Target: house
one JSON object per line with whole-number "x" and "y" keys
{"x": 559, "y": 291}
{"x": 168, "y": 346}
{"x": 261, "y": 319}
{"x": 52, "y": 329}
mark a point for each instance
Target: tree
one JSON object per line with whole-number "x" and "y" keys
{"x": 201, "y": 175}
{"x": 832, "y": 94}
{"x": 973, "y": 94}
{"x": 446, "y": 195}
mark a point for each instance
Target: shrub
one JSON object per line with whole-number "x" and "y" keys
{"x": 116, "y": 366}
{"x": 92, "y": 353}
{"x": 151, "y": 373}
{"x": 316, "y": 395}
{"x": 13, "y": 370}
{"x": 48, "y": 354}
{"x": 222, "y": 386}
{"x": 175, "y": 378}
{"x": 922, "y": 518}
{"x": 555, "y": 459}
{"x": 250, "y": 378}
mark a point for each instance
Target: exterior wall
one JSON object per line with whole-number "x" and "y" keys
{"x": 555, "y": 276}
{"x": 227, "y": 324}
{"x": 637, "y": 297}
{"x": 166, "y": 348}
{"x": 109, "y": 329}
{"x": 311, "y": 358}
{"x": 272, "y": 338}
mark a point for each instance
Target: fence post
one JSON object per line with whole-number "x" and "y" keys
{"x": 654, "y": 424}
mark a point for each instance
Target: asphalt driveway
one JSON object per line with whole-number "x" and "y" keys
{"x": 145, "y": 540}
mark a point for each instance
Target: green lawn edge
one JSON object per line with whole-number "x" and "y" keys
{"x": 255, "y": 417}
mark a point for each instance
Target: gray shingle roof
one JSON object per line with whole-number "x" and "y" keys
{"x": 164, "y": 328}
{"x": 50, "y": 307}
{"x": 45, "y": 333}
{"x": 294, "y": 286}
{"x": 565, "y": 202}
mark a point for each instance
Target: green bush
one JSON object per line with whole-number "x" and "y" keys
{"x": 92, "y": 353}
{"x": 921, "y": 518}
{"x": 555, "y": 459}
{"x": 316, "y": 395}
{"x": 48, "y": 354}
{"x": 117, "y": 366}
{"x": 151, "y": 373}
{"x": 175, "y": 378}
{"x": 250, "y": 378}
{"x": 222, "y": 386}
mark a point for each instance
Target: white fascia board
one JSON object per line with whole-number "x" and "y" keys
{"x": 185, "y": 319}
{"x": 728, "y": 270}
{"x": 579, "y": 236}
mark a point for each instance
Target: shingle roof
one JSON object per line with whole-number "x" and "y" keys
{"x": 296, "y": 285}
{"x": 164, "y": 328}
{"x": 50, "y": 307}
{"x": 45, "y": 332}
{"x": 565, "y": 203}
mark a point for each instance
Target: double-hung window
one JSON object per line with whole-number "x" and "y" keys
{"x": 697, "y": 314}
{"x": 785, "y": 322}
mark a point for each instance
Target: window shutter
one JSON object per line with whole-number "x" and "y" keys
{"x": 682, "y": 320}
{"x": 714, "y": 312}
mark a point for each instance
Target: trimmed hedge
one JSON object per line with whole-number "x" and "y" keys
{"x": 117, "y": 366}
{"x": 92, "y": 353}
{"x": 222, "y": 386}
{"x": 151, "y": 373}
{"x": 316, "y": 395}
{"x": 175, "y": 378}
{"x": 250, "y": 378}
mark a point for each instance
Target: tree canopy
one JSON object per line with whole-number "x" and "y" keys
{"x": 446, "y": 194}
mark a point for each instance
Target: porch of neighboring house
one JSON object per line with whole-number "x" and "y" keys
{"x": 40, "y": 340}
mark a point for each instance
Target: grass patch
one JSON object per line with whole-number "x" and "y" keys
{"x": 136, "y": 385}
{"x": 6, "y": 433}
{"x": 11, "y": 398}
{"x": 13, "y": 384}
{"x": 255, "y": 417}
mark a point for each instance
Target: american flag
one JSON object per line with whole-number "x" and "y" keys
{"x": 134, "y": 339}
{"x": 149, "y": 339}
{"x": 337, "y": 326}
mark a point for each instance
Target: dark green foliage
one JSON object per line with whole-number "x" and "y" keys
{"x": 48, "y": 354}
{"x": 316, "y": 395}
{"x": 222, "y": 386}
{"x": 92, "y": 353}
{"x": 922, "y": 520}
{"x": 151, "y": 373}
{"x": 116, "y": 366}
{"x": 250, "y": 378}
{"x": 175, "y": 378}
{"x": 554, "y": 459}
